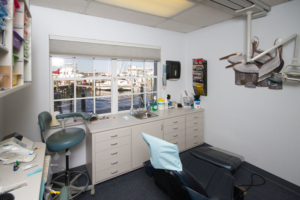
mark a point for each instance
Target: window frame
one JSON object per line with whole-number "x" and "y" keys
{"x": 114, "y": 83}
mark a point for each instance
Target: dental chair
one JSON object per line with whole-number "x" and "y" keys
{"x": 64, "y": 140}
{"x": 201, "y": 175}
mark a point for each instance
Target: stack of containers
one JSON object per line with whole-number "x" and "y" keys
{"x": 26, "y": 43}
{"x": 4, "y": 14}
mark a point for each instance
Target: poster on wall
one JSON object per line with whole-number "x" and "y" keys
{"x": 200, "y": 76}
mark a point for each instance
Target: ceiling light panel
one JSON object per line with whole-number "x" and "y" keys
{"x": 162, "y": 8}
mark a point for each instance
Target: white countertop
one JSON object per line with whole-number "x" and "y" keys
{"x": 10, "y": 178}
{"x": 119, "y": 121}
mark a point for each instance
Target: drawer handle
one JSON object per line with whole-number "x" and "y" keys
{"x": 175, "y": 143}
{"x": 114, "y": 163}
{"x": 114, "y": 172}
{"x": 195, "y": 117}
{"x": 196, "y": 136}
{"x": 175, "y": 122}
{"x": 175, "y": 128}
{"x": 196, "y": 129}
{"x": 196, "y": 123}
{"x": 114, "y": 144}
{"x": 114, "y": 136}
{"x": 175, "y": 135}
{"x": 196, "y": 143}
{"x": 114, "y": 153}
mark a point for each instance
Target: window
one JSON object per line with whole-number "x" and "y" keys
{"x": 101, "y": 85}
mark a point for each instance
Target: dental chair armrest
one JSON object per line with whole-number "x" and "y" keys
{"x": 84, "y": 115}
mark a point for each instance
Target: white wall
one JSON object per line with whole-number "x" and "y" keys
{"x": 1, "y": 118}
{"x": 260, "y": 124}
{"x": 22, "y": 108}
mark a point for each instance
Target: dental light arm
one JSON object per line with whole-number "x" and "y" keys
{"x": 292, "y": 37}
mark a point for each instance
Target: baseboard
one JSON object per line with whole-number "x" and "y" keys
{"x": 272, "y": 177}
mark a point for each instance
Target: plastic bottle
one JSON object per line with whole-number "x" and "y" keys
{"x": 161, "y": 104}
{"x": 148, "y": 107}
{"x": 166, "y": 103}
{"x": 154, "y": 105}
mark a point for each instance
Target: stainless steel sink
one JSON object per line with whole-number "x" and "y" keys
{"x": 144, "y": 115}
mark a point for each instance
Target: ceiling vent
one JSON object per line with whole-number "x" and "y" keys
{"x": 237, "y": 4}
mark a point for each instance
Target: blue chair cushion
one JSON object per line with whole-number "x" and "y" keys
{"x": 65, "y": 139}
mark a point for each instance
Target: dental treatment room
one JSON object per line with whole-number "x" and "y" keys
{"x": 149, "y": 100}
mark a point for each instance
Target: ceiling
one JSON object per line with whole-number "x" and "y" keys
{"x": 201, "y": 14}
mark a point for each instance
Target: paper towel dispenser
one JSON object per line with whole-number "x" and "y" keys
{"x": 173, "y": 70}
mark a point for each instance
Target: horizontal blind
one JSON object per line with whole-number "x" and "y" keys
{"x": 60, "y": 45}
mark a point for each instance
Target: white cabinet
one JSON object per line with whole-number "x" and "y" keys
{"x": 140, "y": 150}
{"x": 118, "y": 151}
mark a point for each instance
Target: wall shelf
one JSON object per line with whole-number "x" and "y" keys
{"x": 19, "y": 75}
{"x": 3, "y": 48}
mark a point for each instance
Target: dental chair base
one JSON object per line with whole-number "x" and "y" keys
{"x": 206, "y": 175}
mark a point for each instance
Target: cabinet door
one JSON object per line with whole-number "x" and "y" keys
{"x": 140, "y": 150}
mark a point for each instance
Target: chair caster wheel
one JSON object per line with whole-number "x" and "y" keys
{"x": 93, "y": 191}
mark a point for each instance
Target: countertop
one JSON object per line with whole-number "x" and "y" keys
{"x": 120, "y": 122}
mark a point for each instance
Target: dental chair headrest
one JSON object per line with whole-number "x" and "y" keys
{"x": 164, "y": 155}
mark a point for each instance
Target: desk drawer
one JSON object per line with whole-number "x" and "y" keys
{"x": 174, "y": 135}
{"x": 175, "y": 127}
{"x": 195, "y": 129}
{"x": 108, "y": 135}
{"x": 173, "y": 121}
{"x": 113, "y": 162}
{"x": 193, "y": 143}
{"x": 194, "y": 136}
{"x": 177, "y": 141}
{"x": 112, "y": 153}
{"x": 198, "y": 115}
{"x": 194, "y": 122}
{"x": 109, "y": 144}
{"x": 114, "y": 171}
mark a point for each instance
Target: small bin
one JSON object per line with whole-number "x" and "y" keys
{"x": 17, "y": 40}
{"x": 15, "y": 57}
{"x": 15, "y": 79}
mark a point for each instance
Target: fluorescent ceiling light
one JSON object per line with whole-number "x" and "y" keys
{"x": 162, "y": 8}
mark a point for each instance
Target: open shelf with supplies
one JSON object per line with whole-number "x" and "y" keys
{"x": 16, "y": 42}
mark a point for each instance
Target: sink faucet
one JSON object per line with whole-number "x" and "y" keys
{"x": 140, "y": 101}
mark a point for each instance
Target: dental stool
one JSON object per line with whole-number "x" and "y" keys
{"x": 64, "y": 140}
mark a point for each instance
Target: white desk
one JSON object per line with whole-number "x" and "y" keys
{"x": 10, "y": 178}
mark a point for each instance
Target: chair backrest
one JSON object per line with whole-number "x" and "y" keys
{"x": 44, "y": 120}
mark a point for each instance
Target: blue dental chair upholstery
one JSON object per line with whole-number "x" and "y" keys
{"x": 197, "y": 180}
{"x": 63, "y": 140}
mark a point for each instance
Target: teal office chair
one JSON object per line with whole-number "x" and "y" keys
{"x": 63, "y": 140}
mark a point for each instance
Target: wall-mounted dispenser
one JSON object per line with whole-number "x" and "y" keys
{"x": 173, "y": 70}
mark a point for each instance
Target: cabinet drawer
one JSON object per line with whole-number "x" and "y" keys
{"x": 174, "y": 135}
{"x": 198, "y": 115}
{"x": 112, "y": 153}
{"x": 194, "y": 136}
{"x": 172, "y": 121}
{"x": 175, "y": 127}
{"x": 108, "y": 135}
{"x": 194, "y": 122}
{"x": 181, "y": 147}
{"x": 107, "y": 164}
{"x": 109, "y": 144}
{"x": 114, "y": 171}
{"x": 195, "y": 129}
{"x": 194, "y": 143}
{"x": 177, "y": 140}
